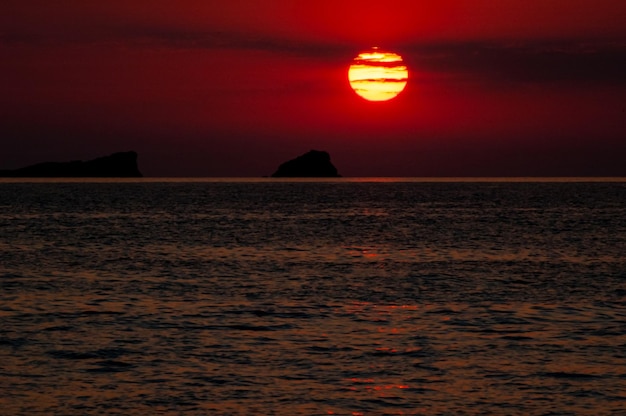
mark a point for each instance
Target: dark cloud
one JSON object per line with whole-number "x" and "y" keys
{"x": 165, "y": 37}
{"x": 572, "y": 61}
{"x": 533, "y": 62}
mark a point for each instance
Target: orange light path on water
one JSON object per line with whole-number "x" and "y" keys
{"x": 378, "y": 75}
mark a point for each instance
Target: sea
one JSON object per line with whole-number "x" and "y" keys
{"x": 372, "y": 296}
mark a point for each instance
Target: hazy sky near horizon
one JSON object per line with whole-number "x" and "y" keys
{"x": 234, "y": 88}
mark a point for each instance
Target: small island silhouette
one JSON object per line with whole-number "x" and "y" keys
{"x": 117, "y": 165}
{"x": 313, "y": 164}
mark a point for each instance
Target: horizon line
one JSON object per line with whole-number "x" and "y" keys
{"x": 355, "y": 179}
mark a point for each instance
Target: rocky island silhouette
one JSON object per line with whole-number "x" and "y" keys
{"x": 117, "y": 165}
{"x": 313, "y": 164}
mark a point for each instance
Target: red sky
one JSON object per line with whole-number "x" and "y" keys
{"x": 234, "y": 88}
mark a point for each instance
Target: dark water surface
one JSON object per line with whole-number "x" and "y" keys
{"x": 313, "y": 298}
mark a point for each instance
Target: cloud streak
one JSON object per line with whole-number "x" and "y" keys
{"x": 538, "y": 61}
{"x": 546, "y": 61}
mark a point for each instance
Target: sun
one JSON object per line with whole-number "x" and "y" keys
{"x": 378, "y": 75}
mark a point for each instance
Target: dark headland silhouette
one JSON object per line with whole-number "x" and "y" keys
{"x": 117, "y": 165}
{"x": 313, "y": 164}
